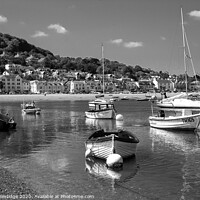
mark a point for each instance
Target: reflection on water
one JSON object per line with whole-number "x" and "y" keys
{"x": 48, "y": 150}
{"x": 177, "y": 140}
{"x": 106, "y": 124}
{"x": 97, "y": 168}
{"x": 186, "y": 144}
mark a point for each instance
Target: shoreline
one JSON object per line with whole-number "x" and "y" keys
{"x": 70, "y": 97}
{"x": 13, "y": 187}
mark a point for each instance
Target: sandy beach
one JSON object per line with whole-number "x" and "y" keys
{"x": 68, "y": 97}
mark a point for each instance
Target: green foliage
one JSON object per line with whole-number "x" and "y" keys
{"x": 18, "y": 50}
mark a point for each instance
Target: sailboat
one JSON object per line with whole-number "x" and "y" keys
{"x": 101, "y": 108}
{"x": 183, "y": 100}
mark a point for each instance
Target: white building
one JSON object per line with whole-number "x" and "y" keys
{"x": 12, "y": 67}
{"x": 77, "y": 87}
{"x": 38, "y": 87}
{"x": 161, "y": 84}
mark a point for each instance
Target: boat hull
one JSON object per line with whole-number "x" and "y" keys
{"x": 6, "y": 124}
{"x": 31, "y": 111}
{"x": 180, "y": 104}
{"x": 189, "y": 122}
{"x": 101, "y": 114}
{"x": 103, "y": 147}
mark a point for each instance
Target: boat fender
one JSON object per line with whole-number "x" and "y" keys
{"x": 114, "y": 161}
{"x": 88, "y": 153}
{"x": 119, "y": 117}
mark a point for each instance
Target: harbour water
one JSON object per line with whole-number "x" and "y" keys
{"x": 47, "y": 152}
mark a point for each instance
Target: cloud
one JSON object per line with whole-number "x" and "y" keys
{"x": 195, "y": 14}
{"x": 163, "y": 38}
{"x": 3, "y": 19}
{"x": 39, "y": 34}
{"x": 133, "y": 44}
{"x": 117, "y": 41}
{"x": 126, "y": 44}
{"x": 59, "y": 29}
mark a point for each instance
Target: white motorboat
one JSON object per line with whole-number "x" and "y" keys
{"x": 175, "y": 119}
{"x": 101, "y": 109}
{"x": 30, "y": 108}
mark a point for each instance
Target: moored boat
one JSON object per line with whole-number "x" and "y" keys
{"x": 30, "y": 108}
{"x": 180, "y": 101}
{"x": 183, "y": 100}
{"x": 101, "y": 109}
{"x": 175, "y": 119}
{"x": 6, "y": 122}
{"x": 101, "y": 144}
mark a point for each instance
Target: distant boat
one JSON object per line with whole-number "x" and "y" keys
{"x": 175, "y": 119}
{"x": 115, "y": 98}
{"x": 101, "y": 109}
{"x": 30, "y": 108}
{"x": 101, "y": 144}
{"x": 125, "y": 98}
{"x": 143, "y": 99}
{"x": 6, "y": 122}
{"x": 99, "y": 95}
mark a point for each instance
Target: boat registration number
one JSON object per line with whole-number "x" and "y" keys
{"x": 189, "y": 119}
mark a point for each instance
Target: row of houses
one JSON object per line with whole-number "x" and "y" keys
{"x": 15, "y": 84}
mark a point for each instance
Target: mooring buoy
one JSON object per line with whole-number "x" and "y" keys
{"x": 114, "y": 161}
{"x": 119, "y": 117}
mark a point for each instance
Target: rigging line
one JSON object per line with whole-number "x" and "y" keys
{"x": 190, "y": 56}
{"x": 184, "y": 53}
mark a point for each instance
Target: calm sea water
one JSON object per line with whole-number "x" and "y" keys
{"x": 47, "y": 152}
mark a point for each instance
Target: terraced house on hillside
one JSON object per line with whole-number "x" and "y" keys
{"x": 11, "y": 84}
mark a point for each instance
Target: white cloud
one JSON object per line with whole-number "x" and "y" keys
{"x": 58, "y": 28}
{"x": 163, "y": 38}
{"x": 3, "y": 19}
{"x": 116, "y": 41}
{"x": 39, "y": 34}
{"x": 195, "y": 14}
{"x": 133, "y": 44}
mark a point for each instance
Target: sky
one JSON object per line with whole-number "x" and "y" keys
{"x": 134, "y": 32}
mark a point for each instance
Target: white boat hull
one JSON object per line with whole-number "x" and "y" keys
{"x": 31, "y": 111}
{"x": 189, "y": 122}
{"x": 104, "y": 149}
{"x": 101, "y": 114}
{"x": 179, "y": 104}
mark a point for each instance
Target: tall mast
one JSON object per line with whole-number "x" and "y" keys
{"x": 102, "y": 62}
{"x": 184, "y": 53}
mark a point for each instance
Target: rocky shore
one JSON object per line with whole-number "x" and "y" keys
{"x": 13, "y": 188}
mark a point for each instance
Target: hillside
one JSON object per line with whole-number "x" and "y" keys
{"x": 13, "y": 45}
{"x": 19, "y": 51}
